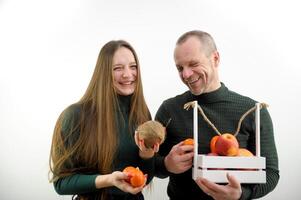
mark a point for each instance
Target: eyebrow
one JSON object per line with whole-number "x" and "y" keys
{"x": 131, "y": 63}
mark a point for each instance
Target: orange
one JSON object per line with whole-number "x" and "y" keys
{"x": 189, "y": 141}
{"x": 212, "y": 144}
{"x": 244, "y": 152}
{"x": 138, "y": 179}
{"x": 136, "y": 176}
{"x": 130, "y": 170}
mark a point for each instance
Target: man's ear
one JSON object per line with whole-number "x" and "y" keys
{"x": 215, "y": 58}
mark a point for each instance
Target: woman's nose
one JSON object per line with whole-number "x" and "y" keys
{"x": 126, "y": 72}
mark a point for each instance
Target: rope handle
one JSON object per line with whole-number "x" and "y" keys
{"x": 191, "y": 104}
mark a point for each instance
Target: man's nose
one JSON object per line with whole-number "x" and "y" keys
{"x": 186, "y": 73}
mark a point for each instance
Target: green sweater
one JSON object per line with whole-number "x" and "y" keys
{"x": 127, "y": 154}
{"x": 224, "y": 109}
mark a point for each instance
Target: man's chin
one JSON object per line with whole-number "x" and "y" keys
{"x": 196, "y": 93}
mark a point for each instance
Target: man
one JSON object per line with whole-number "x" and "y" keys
{"x": 197, "y": 60}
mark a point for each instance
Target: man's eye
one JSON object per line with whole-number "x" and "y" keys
{"x": 133, "y": 66}
{"x": 194, "y": 64}
{"x": 179, "y": 68}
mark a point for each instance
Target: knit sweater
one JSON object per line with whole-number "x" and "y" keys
{"x": 224, "y": 109}
{"x": 127, "y": 154}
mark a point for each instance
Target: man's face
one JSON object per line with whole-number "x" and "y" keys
{"x": 196, "y": 70}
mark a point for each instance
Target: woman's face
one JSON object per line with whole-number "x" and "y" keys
{"x": 124, "y": 71}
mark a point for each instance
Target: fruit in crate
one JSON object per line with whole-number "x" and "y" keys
{"x": 227, "y": 145}
{"x": 212, "y": 144}
{"x": 212, "y": 154}
{"x": 136, "y": 176}
{"x": 188, "y": 141}
{"x": 244, "y": 152}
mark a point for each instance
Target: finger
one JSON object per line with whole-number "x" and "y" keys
{"x": 233, "y": 181}
{"x": 200, "y": 182}
{"x": 211, "y": 186}
{"x": 127, "y": 176}
{"x": 136, "y": 189}
{"x": 178, "y": 150}
{"x": 186, "y": 167}
{"x": 121, "y": 175}
{"x": 133, "y": 190}
{"x": 187, "y": 148}
{"x": 186, "y": 157}
{"x": 179, "y": 144}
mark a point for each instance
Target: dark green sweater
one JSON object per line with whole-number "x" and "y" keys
{"x": 224, "y": 109}
{"x": 127, "y": 154}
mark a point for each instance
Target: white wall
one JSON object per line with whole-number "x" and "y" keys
{"x": 48, "y": 50}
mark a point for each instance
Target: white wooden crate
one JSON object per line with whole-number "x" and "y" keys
{"x": 245, "y": 169}
{"x": 215, "y": 168}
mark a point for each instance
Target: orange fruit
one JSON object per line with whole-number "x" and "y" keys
{"x": 212, "y": 144}
{"x": 138, "y": 179}
{"x": 136, "y": 176}
{"x": 130, "y": 170}
{"x": 188, "y": 141}
{"x": 244, "y": 152}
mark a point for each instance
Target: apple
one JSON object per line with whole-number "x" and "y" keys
{"x": 227, "y": 145}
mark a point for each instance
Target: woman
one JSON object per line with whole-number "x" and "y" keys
{"x": 93, "y": 139}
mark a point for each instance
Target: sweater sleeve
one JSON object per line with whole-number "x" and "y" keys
{"x": 77, "y": 183}
{"x": 269, "y": 151}
{"x": 148, "y": 167}
{"x": 160, "y": 169}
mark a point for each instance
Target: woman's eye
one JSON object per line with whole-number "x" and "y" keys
{"x": 133, "y": 66}
{"x": 117, "y": 68}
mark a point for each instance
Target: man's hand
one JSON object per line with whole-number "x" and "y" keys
{"x": 231, "y": 191}
{"x": 179, "y": 158}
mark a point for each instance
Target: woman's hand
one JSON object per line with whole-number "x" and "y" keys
{"x": 231, "y": 191}
{"x": 144, "y": 152}
{"x": 119, "y": 180}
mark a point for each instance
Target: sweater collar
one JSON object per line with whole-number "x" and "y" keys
{"x": 211, "y": 97}
{"x": 124, "y": 102}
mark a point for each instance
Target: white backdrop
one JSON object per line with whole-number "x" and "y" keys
{"x": 48, "y": 50}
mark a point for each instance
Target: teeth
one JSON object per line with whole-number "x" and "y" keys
{"x": 127, "y": 83}
{"x": 192, "y": 81}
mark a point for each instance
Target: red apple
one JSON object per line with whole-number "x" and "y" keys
{"x": 227, "y": 145}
